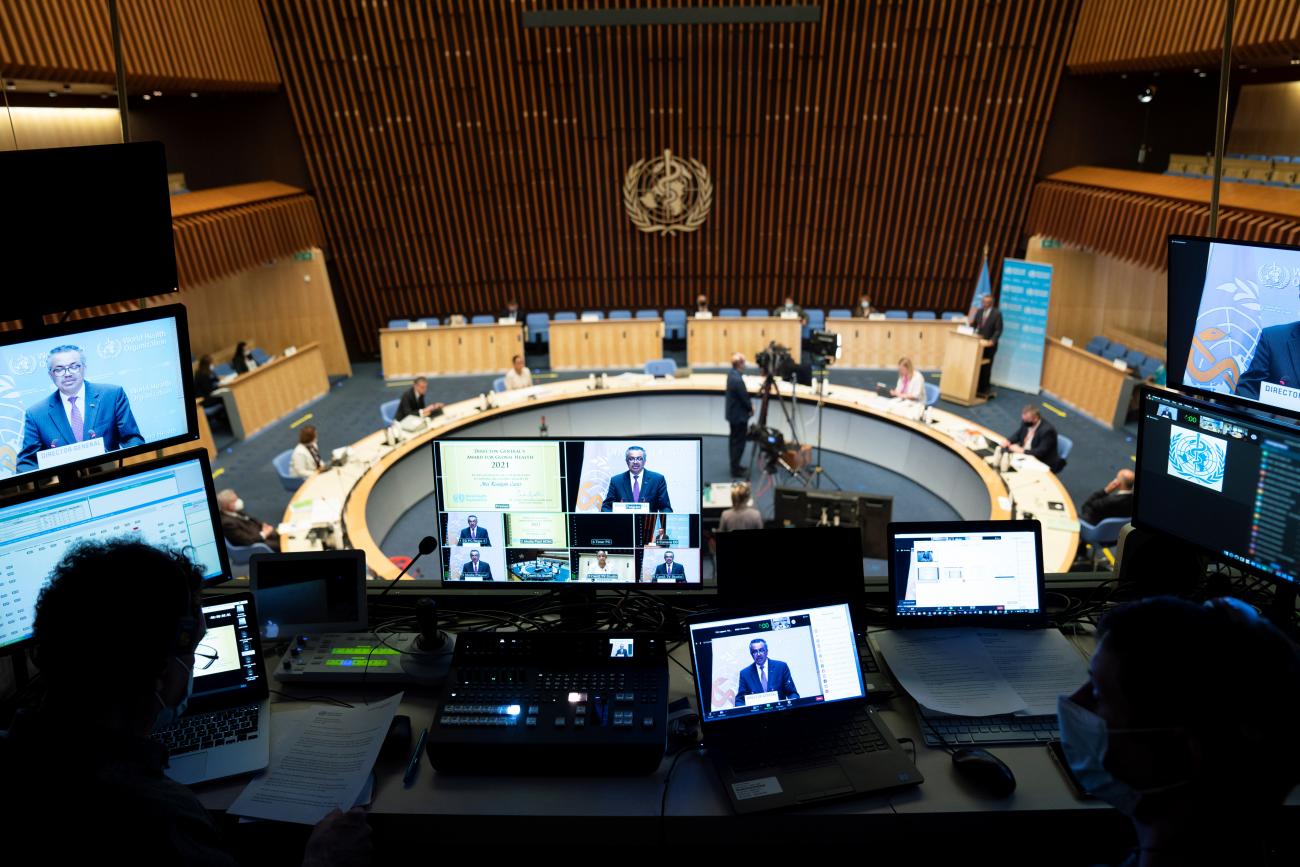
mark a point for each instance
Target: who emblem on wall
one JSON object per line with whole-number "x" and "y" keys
{"x": 667, "y": 194}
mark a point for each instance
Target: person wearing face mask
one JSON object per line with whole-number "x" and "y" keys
{"x": 82, "y": 774}
{"x": 240, "y": 527}
{"x": 1201, "y": 777}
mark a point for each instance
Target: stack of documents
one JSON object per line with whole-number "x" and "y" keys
{"x": 983, "y": 672}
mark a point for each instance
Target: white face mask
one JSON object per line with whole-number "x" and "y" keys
{"x": 1085, "y": 738}
{"x": 239, "y": 505}
{"x": 169, "y": 715}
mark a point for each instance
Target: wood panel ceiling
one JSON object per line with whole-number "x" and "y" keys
{"x": 1137, "y": 35}
{"x": 201, "y": 45}
{"x": 460, "y": 159}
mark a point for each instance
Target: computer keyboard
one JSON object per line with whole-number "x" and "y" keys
{"x": 207, "y": 730}
{"x": 857, "y": 734}
{"x": 1002, "y": 729}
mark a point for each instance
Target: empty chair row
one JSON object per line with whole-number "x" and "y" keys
{"x": 1145, "y": 365}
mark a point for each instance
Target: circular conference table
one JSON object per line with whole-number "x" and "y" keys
{"x": 363, "y": 499}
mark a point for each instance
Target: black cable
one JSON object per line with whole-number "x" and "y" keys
{"x": 663, "y": 800}
{"x": 682, "y": 665}
{"x": 325, "y": 698}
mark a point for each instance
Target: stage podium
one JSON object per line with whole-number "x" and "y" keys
{"x": 962, "y": 356}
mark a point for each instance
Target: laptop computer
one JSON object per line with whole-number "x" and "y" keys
{"x": 966, "y": 573}
{"x": 226, "y": 727}
{"x": 746, "y": 578}
{"x": 784, "y": 708}
{"x": 970, "y": 573}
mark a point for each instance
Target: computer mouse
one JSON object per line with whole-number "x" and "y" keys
{"x": 397, "y": 743}
{"x": 985, "y": 771}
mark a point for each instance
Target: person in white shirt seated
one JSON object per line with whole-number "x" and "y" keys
{"x": 909, "y": 393}
{"x": 518, "y": 376}
{"x": 305, "y": 460}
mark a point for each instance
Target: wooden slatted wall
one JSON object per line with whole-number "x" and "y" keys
{"x": 460, "y": 159}
{"x": 1134, "y": 35}
{"x": 1134, "y": 227}
{"x": 201, "y": 45}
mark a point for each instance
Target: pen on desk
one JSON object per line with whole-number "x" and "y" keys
{"x": 413, "y": 766}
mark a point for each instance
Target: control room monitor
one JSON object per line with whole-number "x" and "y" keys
{"x": 618, "y": 511}
{"x": 167, "y": 503}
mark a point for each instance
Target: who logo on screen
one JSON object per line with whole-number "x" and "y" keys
{"x": 11, "y": 424}
{"x": 1227, "y": 330}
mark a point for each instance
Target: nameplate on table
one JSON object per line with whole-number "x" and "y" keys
{"x": 1279, "y": 395}
{"x": 1119, "y": 364}
{"x": 61, "y": 455}
{"x": 703, "y": 314}
{"x": 965, "y": 329}
{"x": 789, "y": 314}
{"x": 877, "y": 317}
{"x": 769, "y": 697}
{"x": 631, "y": 507}
{"x": 1066, "y": 341}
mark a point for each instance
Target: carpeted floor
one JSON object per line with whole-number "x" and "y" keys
{"x": 351, "y": 411}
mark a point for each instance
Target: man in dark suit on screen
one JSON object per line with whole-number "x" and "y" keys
{"x": 1276, "y": 360}
{"x": 739, "y": 410}
{"x": 987, "y": 322}
{"x": 475, "y": 568}
{"x": 474, "y": 534}
{"x": 77, "y": 411}
{"x": 670, "y": 571}
{"x": 765, "y": 675}
{"x": 1035, "y": 437}
{"x": 637, "y": 485}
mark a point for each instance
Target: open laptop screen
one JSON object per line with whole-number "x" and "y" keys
{"x": 958, "y": 571}
{"x": 775, "y": 662}
{"x": 228, "y": 664}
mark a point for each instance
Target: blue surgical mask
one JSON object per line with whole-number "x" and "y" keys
{"x": 169, "y": 715}
{"x": 1085, "y": 739}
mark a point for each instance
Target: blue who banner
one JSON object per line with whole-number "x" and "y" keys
{"x": 1026, "y": 290}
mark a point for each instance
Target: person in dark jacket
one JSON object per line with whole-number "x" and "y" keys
{"x": 1113, "y": 501}
{"x": 1035, "y": 437}
{"x": 987, "y": 322}
{"x": 739, "y": 409}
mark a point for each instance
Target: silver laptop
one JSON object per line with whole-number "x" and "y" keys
{"x": 226, "y": 727}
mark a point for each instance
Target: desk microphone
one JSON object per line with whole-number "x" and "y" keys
{"x": 427, "y": 546}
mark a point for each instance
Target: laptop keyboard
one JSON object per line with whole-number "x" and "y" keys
{"x": 867, "y": 657}
{"x": 854, "y": 735}
{"x": 207, "y": 730}
{"x": 1002, "y": 729}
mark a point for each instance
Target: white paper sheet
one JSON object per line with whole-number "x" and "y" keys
{"x": 1039, "y": 664}
{"x": 323, "y": 761}
{"x": 948, "y": 670}
{"x": 980, "y": 672}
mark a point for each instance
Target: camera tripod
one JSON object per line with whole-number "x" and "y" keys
{"x": 773, "y": 445}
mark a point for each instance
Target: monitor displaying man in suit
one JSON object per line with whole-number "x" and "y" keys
{"x": 1035, "y": 437}
{"x": 77, "y": 411}
{"x": 1276, "y": 360}
{"x": 473, "y": 534}
{"x": 412, "y": 402}
{"x": 765, "y": 675}
{"x": 475, "y": 569}
{"x": 637, "y": 485}
{"x": 669, "y": 570}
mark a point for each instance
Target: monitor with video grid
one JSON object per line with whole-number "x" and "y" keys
{"x": 168, "y": 503}
{"x": 613, "y": 511}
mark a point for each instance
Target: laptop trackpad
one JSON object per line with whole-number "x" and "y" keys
{"x": 189, "y": 768}
{"x": 826, "y": 781}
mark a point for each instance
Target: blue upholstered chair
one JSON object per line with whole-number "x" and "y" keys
{"x": 816, "y": 321}
{"x": 924, "y": 314}
{"x": 757, "y": 311}
{"x": 499, "y": 384}
{"x": 840, "y": 313}
{"x": 430, "y": 321}
{"x": 647, "y": 314}
{"x": 1100, "y": 535}
{"x": 538, "y": 327}
{"x": 388, "y": 411}
{"x": 240, "y": 554}
{"x": 620, "y": 314}
{"x": 482, "y": 319}
{"x": 1097, "y": 345}
{"x": 399, "y": 323}
{"x": 281, "y": 463}
{"x": 259, "y": 356}
{"x": 895, "y": 314}
{"x": 566, "y": 316}
{"x": 675, "y": 324}
{"x": 729, "y": 313}
{"x": 1115, "y": 350}
{"x": 661, "y": 367}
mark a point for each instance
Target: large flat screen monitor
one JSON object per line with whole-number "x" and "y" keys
{"x": 95, "y": 220}
{"x": 1234, "y": 321}
{"x": 168, "y": 503}
{"x": 1221, "y": 479}
{"x": 95, "y": 390}
{"x": 622, "y": 511}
